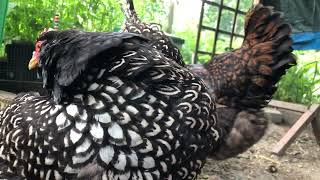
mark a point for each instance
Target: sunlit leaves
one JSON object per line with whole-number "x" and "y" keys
{"x": 26, "y": 19}
{"x": 301, "y": 84}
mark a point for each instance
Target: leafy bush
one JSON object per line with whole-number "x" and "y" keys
{"x": 301, "y": 84}
{"x": 26, "y": 19}
{"x": 187, "y": 50}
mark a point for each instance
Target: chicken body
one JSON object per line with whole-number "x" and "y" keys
{"x": 244, "y": 80}
{"x": 129, "y": 113}
{"x": 246, "y": 77}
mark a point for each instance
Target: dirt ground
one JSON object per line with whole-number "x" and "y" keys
{"x": 300, "y": 162}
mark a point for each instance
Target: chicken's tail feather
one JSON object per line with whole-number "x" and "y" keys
{"x": 129, "y": 11}
{"x": 268, "y": 43}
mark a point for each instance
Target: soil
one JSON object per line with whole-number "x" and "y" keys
{"x": 301, "y": 160}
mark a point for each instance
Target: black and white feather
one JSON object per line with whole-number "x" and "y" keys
{"x": 118, "y": 109}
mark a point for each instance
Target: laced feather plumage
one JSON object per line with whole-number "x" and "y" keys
{"x": 116, "y": 109}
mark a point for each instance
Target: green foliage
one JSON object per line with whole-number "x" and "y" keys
{"x": 301, "y": 84}
{"x": 190, "y": 42}
{"x": 26, "y": 19}
{"x": 152, "y": 11}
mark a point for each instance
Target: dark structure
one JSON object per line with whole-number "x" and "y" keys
{"x": 14, "y": 74}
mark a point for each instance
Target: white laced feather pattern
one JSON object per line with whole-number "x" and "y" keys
{"x": 135, "y": 115}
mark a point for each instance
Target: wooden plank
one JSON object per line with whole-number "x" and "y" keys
{"x": 7, "y": 95}
{"x": 295, "y": 130}
{"x": 316, "y": 127}
{"x": 15, "y": 81}
{"x": 288, "y": 106}
{"x": 5, "y": 98}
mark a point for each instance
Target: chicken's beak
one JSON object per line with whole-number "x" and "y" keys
{"x": 34, "y": 62}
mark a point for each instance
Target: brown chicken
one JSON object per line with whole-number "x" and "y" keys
{"x": 247, "y": 77}
{"x": 244, "y": 80}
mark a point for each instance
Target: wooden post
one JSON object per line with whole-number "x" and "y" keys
{"x": 170, "y": 17}
{"x": 288, "y": 106}
{"x": 297, "y": 128}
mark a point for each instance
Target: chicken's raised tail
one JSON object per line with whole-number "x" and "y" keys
{"x": 268, "y": 44}
{"x": 129, "y": 11}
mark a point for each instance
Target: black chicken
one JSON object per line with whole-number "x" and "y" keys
{"x": 118, "y": 109}
{"x": 243, "y": 80}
